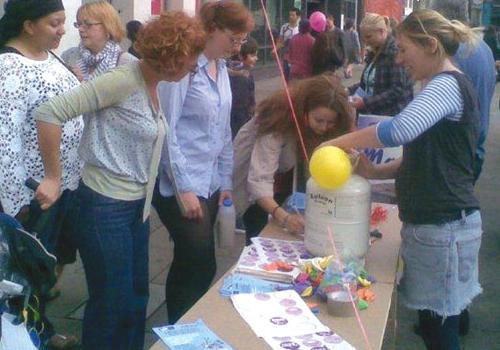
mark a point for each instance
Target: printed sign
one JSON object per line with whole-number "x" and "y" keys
{"x": 378, "y": 155}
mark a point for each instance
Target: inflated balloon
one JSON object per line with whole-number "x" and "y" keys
{"x": 330, "y": 167}
{"x": 318, "y": 21}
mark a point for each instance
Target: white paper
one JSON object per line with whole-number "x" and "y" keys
{"x": 277, "y": 314}
{"x": 360, "y": 92}
{"x": 14, "y": 337}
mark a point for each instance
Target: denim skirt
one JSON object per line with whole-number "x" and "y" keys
{"x": 440, "y": 270}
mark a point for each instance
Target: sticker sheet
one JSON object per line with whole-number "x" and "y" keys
{"x": 282, "y": 250}
{"x": 277, "y": 314}
{"x": 315, "y": 341}
{"x": 257, "y": 259}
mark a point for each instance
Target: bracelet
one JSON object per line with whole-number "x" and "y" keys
{"x": 274, "y": 210}
{"x": 285, "y": 220}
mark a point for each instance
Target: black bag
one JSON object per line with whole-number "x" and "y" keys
{"x": 27, "y": 257}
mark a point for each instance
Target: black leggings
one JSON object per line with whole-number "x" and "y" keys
{"x": 194, "y": 265}
{"x": 439, "y": 335}
{"x": 255, "y": 218}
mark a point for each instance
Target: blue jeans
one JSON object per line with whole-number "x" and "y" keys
{"x": 113, "y": 245}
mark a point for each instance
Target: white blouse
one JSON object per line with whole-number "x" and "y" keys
{"x": 24, "y": 85}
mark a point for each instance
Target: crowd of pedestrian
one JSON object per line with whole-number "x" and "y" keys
{"x": 172, "y": 124}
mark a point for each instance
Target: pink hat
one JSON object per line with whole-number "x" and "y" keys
{"x": 318, "y": 21}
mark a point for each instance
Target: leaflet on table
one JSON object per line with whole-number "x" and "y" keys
{"x": 320, "y": 340}
{"x": 360, "y": 92}
{"x": 190, "y": 336}
{"x": 238, "y": 283}
{"x": 379, "y": 155}
{"x": 277, "y": 314}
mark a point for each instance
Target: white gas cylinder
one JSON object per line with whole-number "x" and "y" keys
{"x": 346, "y": 211}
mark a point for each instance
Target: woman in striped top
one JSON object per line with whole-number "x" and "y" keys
{"x": 439, "y": 130}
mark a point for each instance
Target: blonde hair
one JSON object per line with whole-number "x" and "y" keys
{"x": 422, "y": 25}
{"x": 374, "y": 21}
{"x": 104, "y": 13}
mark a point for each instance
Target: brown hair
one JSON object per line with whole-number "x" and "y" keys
{"x": 104, "y": 13}
{"x": 171, "y": 38}
{"x": 422, "y": 25}
{"x": 226, "y": 14}
{"x": 325, "y": 90}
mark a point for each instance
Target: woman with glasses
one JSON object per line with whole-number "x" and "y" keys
{"x": 197, "y": 159}
{"x": 121, "y": 147}
{"x": 29, "y": 75}
{"x": 101, "y": 32}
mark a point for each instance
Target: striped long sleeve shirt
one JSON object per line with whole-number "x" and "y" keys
{"x": 441, "y": 98}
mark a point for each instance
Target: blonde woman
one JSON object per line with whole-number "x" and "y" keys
{"x": 101, "y": 32}
{"x": 439, "y": 131}
{"x": 385, "y": 87}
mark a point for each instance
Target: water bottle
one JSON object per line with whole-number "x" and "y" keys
{"x": 226, "y": 224}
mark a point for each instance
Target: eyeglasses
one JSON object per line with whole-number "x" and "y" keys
{"x": 235, "y": 41}
{"x": 85, "y": 24}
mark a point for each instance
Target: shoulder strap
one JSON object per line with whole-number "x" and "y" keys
{"x": 9, "y": 49}
{"x": 469, "y": 94}
{"x": 63, "y": 63}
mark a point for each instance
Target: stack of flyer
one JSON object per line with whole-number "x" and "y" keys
{"x": 272, "y": 259}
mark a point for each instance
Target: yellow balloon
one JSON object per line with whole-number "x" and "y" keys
{"x": 330, "y": 167}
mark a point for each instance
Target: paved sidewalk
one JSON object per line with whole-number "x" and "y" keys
{"x": 66, "y": 311}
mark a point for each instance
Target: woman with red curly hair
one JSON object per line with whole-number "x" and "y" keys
{"x": 197, "y": 161}
{"x": 121, "y": 146}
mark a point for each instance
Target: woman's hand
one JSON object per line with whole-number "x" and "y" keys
{"x": 192, "y": 206}
{"x": 365, "y": 167}
{"x": 48, "y": 192}
{"x": 356, "y": 102}
{"x": 294, "y": 223}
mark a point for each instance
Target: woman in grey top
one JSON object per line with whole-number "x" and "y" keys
{"x": 121, "y": 144}
{"x": 101, "y": 32}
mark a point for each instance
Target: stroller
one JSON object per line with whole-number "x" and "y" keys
{"x": 27, "y": 270}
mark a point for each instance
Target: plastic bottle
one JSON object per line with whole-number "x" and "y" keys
{"x": 346, "y": 211}
{"x": 226, "y": 224}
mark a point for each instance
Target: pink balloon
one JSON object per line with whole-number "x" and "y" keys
{"x": 318, "y": 21}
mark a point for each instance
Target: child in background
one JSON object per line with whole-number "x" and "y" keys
{"x": 243, "y": 86}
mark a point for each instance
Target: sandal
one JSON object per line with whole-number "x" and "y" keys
{"x": 62, "y": 342}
